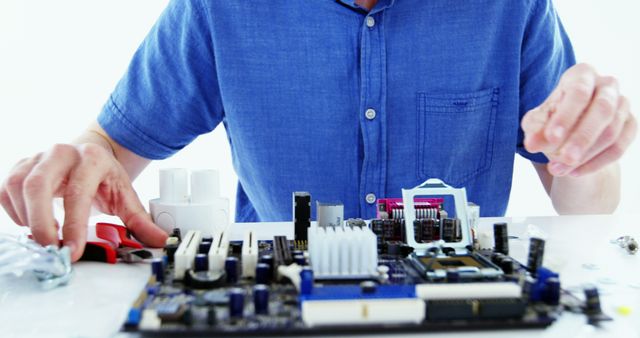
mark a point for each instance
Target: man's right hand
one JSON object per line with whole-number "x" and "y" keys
{"x": 83, "y": 175}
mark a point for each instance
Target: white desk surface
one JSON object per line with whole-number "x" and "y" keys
{"x": 97, "y": 300}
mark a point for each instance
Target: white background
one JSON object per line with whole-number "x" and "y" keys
{"x": 59, "y": 61}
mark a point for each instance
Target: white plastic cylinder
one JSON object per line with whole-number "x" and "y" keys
{"x": 205, "y": 186}
{"x": 174, "y": 187}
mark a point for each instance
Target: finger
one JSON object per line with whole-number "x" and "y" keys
{"x": 578, "y": 85}
{"x": 38, "y": 189}
{"x": 534, "y": 121}
{"x": 14, "y": 186}
{"x": 5, "y": 200}
{"x": 138, "y": 220}
{"x": 80, "y": 190}
{"x": 598, "y": 115}
{"x": 612, "y": 132}
{"x": 611, "y": 154}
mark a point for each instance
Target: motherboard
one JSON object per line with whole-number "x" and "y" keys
{"x": 417, "y": 267}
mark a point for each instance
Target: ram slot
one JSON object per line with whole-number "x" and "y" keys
{"x": 249, "y": 254}
{"x": 186, "y": 253}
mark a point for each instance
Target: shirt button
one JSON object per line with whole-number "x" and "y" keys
{"x": 370, "y": 198}
{"x": 370, "y": 114}
{"x": 371, "y": 21}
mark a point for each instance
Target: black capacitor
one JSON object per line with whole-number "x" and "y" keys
{"x": 261, "y": 299}
{"x": 263, "y": 273}
{"x": 448, "y": 230}
{"x": 204, "y": 247}
{"x": 536, "y": 255}
{"x": 592, "y": 300}
{"x": 368, "y": 287}
{"x": 301, "y": 214}
{"x": 176, "y": 233}
{"x": 453, "y": 275}
{"x": 201, "y": 262}
{"x": 501, "y": 238}
{"x": 551, "y": 294}
{"x": 231, "y": 269}
{"x": 377, "y": 226}
{"x": 157, "y": 269}
{"x": 212, "y": 317}
{"x": 506, "y": 264}
{"x": 236, "y": 303}
{"x": 170, "y": 250}
{"x": 417, "y": 230}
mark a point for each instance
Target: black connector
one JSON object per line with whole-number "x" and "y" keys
{"x": 301, "y": 214}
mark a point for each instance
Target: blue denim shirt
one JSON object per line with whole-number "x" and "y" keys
{"x": 323, "y": 96}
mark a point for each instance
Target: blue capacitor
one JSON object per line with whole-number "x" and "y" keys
{"x": 236, "y": 303}
{"x": 299, "y": 259}
{"x": 202, "y": 262}
{"x": 261, "y": 299}
{"x": 231, "y": 269}
{"x": 552, "y": 291}
{"x": 306, "y": 281}
{"x": 157, "y": 269}
{"x": 263, "y": 273}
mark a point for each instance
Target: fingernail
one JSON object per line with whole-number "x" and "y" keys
{"x": 558, "y": 169}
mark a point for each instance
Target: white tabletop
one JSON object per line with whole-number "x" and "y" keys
{"x": 98, "y": 298}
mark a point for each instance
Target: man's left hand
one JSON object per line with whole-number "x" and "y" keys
{"x": 583, "y": 126}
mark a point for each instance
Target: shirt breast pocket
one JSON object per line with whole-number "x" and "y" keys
{"x": 455, "y": 134}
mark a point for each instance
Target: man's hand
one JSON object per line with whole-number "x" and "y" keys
{"x": 584, "y": 125}
{"x": 83, "y": 175}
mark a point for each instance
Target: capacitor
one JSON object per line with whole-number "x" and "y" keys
{"x": 231, "y": 269}
{"x": 501, "y": 238}
{"x": 299, "y": 259}
{"x": 236, "y": 303}
{"x": 306, "y": 281}
{"x": 592, "y": 300}
{"x": 536, "y": 255}
{"x": 261, "y": 299}
{"x": 552, "y": 291}
{"x": 263, "y": 273}
{"x": 268, "y": 259}
{"x": 368, "y": 287}
{"x": 157, "y": 269}
{"x": 453, "y": 275}
{"x": 506, "y": 264}
{"x": 212, "y": 317}
{"x": 170, "y": 247}
{"x": 204, "y": 247}
{"x": 176, "y": 233}
{"x": 202, "y": 262}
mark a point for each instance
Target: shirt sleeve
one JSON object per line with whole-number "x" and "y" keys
{"x": 546, "y": 54}
{"x": 169, "y": 94}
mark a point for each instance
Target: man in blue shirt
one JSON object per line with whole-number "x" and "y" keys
{"x": 350, "y": 100}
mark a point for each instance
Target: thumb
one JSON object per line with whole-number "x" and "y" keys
{"x": 138, "y": 221}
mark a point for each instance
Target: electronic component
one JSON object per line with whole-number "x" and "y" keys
{"x": 249, "y": 254}
{"x": 342, "y": 252}
{"x": 219, "y": 250}
{"x": 301, "y": 214}
{"x": 231, "y": 269}
{"x": 190, "y": 202}
{"x": 157, "y": 269}
{"x": 261, "y": 299}
{"x": 592, "y": 306}
{"x": 416, "y": 268}
{"x": 536, "y": 254}
{"x": 501, "y": 238}
{"x": 186, "y": 253}
{"x": 329, "y": 214}
{"x": 236, "y": 303}
{"x": 628, "y": 243}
